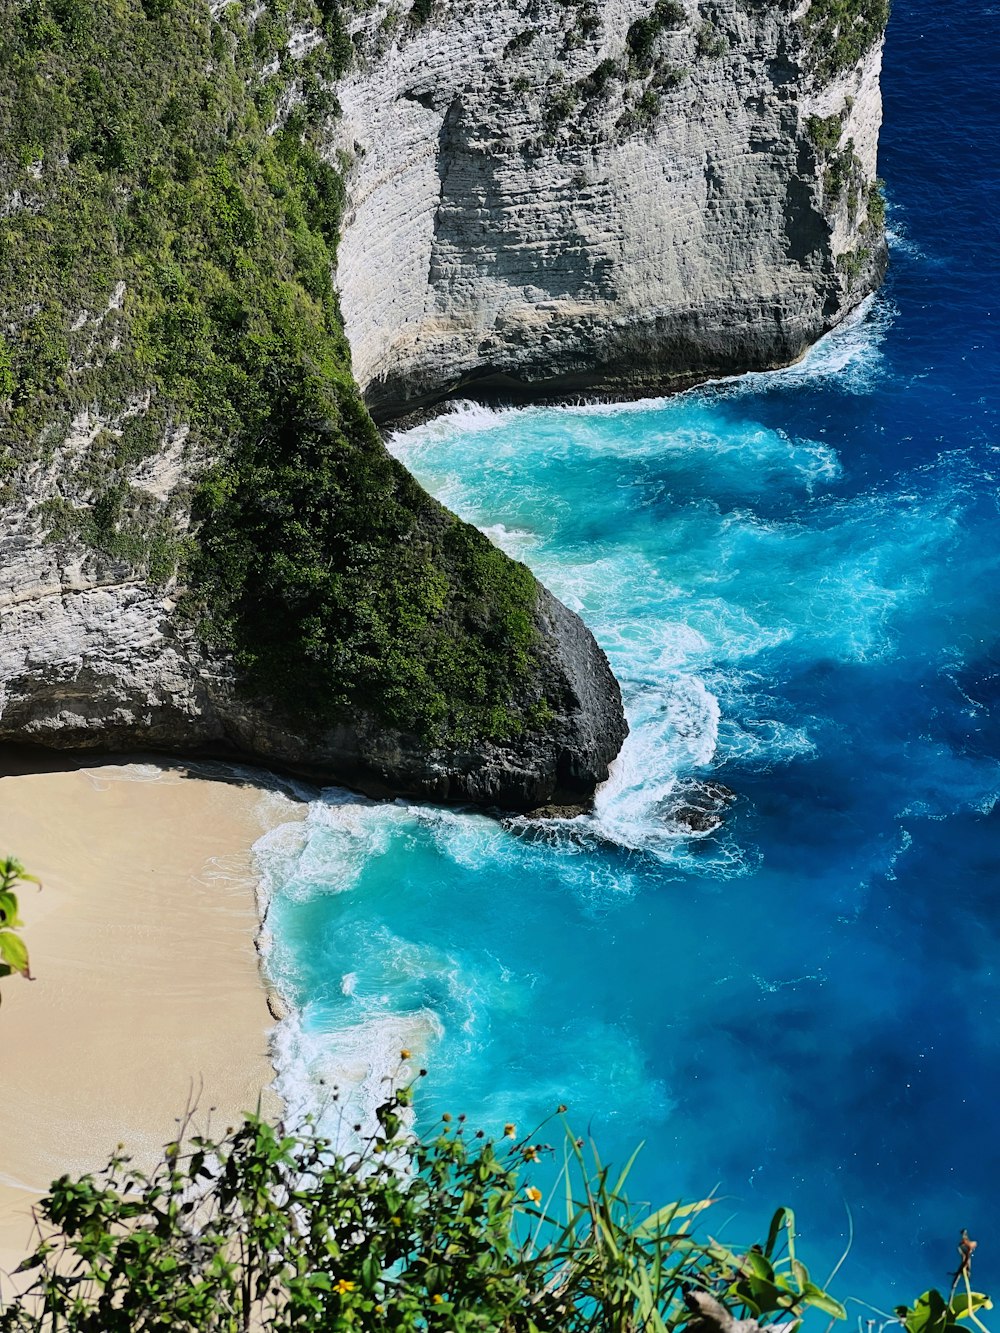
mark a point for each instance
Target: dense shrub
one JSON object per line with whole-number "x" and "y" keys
{"x": 840, "y": 32}
{"x": 876, "y": 207}
{"x": 710, "y": 42}
{"x": 267, "y": 1230}
{"x": 825, "y": 131}
{"x": 170, "y": 261}
{"x": 640, "y": 39}
{"x": 261, "y": 1229}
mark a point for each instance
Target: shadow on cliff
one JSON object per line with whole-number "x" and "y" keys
{"x": 23, "y": 760}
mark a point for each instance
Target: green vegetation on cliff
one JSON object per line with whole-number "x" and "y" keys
{"x": 168, "y": 228}
{"x": 840, "y": 32}
{"x": 13, "y": 950}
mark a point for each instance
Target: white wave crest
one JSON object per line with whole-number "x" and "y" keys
{"x": 462, "y": 416}
{"x": 851, "y": 354}
{"x": 672, "y": 731}
{"x": 328, "y": 850}
{"x": 341, "y": 1075}
{"x": 515, "y": 542}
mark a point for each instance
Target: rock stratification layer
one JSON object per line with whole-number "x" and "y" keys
{"x": 93, "y": 659}
{"x": 204, "y": 543}
{"x": 551, "y": 198}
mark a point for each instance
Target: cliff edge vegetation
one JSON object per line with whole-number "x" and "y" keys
{"x": 176, "y": 398}
{"x": 447, "y": 1231}
{"x": 228, "y": 230}
{"x": 263, "y": 1229}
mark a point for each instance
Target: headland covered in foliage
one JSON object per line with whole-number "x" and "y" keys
{"x": 166, "y": 251}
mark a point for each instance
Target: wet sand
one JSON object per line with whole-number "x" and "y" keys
{"x": 147, "y": 992}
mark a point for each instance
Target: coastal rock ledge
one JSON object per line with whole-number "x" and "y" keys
{"x": 91, "y": 661}
{"x": 233, "y": 235}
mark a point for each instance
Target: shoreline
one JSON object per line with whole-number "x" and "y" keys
{"x": 637, "y": 396}
{"x": 145, "y": 942}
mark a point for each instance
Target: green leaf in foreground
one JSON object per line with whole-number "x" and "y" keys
{"x": 13, "y": 950}
{"x": 261, "y": 1229}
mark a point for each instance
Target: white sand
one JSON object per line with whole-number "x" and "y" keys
{"x": 147, "y": 987}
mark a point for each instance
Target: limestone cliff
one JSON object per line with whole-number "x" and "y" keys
{"x": 204, "y": 544}
{"x": 561, "y": 197}
{"x": 91, "y": 658}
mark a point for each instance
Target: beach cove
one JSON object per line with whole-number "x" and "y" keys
{"x": 148, "y": 995}
{"x": 769, "y": 952}
{"x": 794, "y": 577}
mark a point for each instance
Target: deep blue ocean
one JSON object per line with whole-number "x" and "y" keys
{"x": 795, "y": 577}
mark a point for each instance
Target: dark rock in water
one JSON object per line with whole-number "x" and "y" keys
{"x": 718, "y": 791}
{"x": 698, "y": 821}
{"x": 560, "y": 826}
{"x": 557, "y": 811}
{"x": 699, "y": 807}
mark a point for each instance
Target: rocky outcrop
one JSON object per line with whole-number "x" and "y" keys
{"x": 93, "y": 660}
{"x": 543, "y": 197}
{"x": 204, "y": 544}
{"x": 559, "y": 198}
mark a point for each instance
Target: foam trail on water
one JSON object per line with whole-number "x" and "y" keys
{"x": 851, "y": 354}
{"x": 714, "y": 558}
{"x": 672, "y": 730}
{"x": 340, "y": 1070}
{"x": 341, "y": 1075}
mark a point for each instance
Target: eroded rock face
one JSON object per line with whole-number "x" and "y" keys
{"x": 91, "y": 660}
{"x": 534, "y": 208}
{"x": 543, "y": 197}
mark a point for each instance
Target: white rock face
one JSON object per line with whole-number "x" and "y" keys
{"x": 511, "y": 228}
{"x": 528, "y": 212}
{"x": 90, "y": 660}
{"x": 92, "y": 657}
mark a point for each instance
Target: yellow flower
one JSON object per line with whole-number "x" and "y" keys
{"x": 343, "y": 1287}
{"x": 509, "y": 1130}
{"x": 404, "y": 1055}
{"x": 437, "y": 1298}
{"x": 534, "y": 1194}
{"x": 530, "y": 1154}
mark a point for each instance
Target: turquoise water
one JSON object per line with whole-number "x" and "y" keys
{"x": 795, "y": 578}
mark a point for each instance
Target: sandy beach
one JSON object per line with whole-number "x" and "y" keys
{"x": 147, "y": 989}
